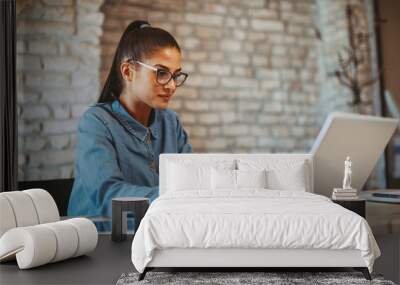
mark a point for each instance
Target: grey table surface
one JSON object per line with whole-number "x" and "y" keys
{"x": 368, "y": 195}
{"x": 104, "y": 265}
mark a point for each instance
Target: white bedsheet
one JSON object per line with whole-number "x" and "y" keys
{"x": 250, "y": 219}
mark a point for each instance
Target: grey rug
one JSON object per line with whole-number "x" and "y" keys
{"x": 225, "y": 278}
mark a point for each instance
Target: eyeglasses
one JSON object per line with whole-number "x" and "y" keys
{"x": 163, "y": 76}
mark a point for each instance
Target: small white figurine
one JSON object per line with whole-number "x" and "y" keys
{"x": 347, "y": 174}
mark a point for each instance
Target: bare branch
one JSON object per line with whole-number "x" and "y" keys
{"x": 369, "y": 82}
{"x": 343, "y": 81}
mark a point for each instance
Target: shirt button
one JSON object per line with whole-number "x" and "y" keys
{"x": 152, "y": 165}
{"x": 148, "y": 138}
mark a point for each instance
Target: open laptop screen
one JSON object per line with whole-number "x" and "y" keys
{"x": 361, "y": 137}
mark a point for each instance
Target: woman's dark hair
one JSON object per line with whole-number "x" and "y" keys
{"x": 138, "y": 41}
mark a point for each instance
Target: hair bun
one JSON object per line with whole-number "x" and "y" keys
{"x": 145, "y": 25}
{"x": 137, "y": 25}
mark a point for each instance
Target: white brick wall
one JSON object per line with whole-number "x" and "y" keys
{"x": 58, "y": 69}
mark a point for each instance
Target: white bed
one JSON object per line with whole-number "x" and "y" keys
{"x": 201, "y": 223}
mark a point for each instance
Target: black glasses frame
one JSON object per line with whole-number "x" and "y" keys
{"x": 157, "y": 70}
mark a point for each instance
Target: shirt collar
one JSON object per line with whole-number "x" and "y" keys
{"x": 133, "y": 125}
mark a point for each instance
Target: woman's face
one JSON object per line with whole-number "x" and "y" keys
{"x": 144, "y": 88}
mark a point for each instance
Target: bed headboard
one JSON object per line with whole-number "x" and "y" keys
{"x": 209, "y": 158}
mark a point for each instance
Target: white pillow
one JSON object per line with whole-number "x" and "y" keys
{"x": 188, "y": 177}
{"x": 251, "y": 178}
{"x": 223, "y": 179}
{"x": 231, "y": 180}
{"x": 193, "y": 173}
{"x": 293, "y": 179}
{"x": 282, "y": 174}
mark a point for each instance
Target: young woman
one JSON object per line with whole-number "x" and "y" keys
{"x": 120, "y": 138}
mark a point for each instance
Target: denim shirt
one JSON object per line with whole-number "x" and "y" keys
{"x": 116, "y": 156}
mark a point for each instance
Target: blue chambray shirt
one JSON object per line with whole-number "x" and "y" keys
{"x": 116, "y": 156}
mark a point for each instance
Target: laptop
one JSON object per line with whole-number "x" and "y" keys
{"x": 361, "y": 137}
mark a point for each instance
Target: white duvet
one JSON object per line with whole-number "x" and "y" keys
{"x": 250, "y": 219}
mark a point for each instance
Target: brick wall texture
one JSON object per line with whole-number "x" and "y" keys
{"x": 258, "y": 72}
